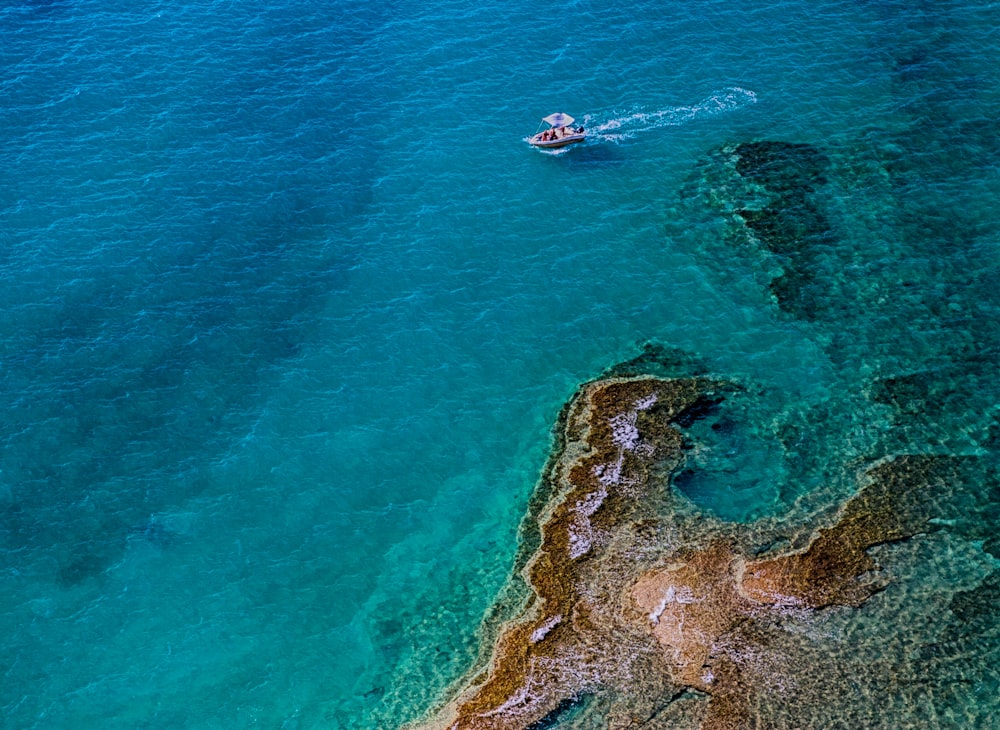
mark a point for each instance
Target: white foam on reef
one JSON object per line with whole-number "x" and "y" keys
{"x": 519, "y": 702}
{"x": 610, "y": 474}
{"x": 644, "y": 404}
{"x": 542, "y": 631}
{"x": 623, "y": 429}
{"x": 537, "y": 687}
{"x": 631, "y": 123}
{"x": 624, "y": 432}
{"x": 581, "y": 532}
{"x": 671, "y": 595}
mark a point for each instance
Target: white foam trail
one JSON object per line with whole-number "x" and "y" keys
{"x": 633, "y": 123}
{"x": 550, "y": 150}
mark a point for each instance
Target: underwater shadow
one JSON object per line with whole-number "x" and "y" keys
{"x": 593, "y": 154}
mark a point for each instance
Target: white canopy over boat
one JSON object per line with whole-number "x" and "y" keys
{"x": 558, "y": 119}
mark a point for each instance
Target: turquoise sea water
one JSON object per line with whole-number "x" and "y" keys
{"x": 289, "y": 309}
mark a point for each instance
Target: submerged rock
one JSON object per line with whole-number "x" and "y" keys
{"x": 775, "y": 199}
{"x": 790, "y": 223}
{"x": 782, "y": 166}
{"x": 657, "y": 614}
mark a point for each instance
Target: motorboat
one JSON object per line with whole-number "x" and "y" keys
{"x": 559, "y": 133}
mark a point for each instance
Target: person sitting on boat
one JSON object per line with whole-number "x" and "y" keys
{"x": 579, "y": 130}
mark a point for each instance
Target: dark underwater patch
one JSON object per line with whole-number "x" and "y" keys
{"x": 661, "y": 361}
{"x": 566, "y": 710}
{"x": 791, "y": 224}
{"x": 783, "y": 167}
{"x": 88, "y": 560}
{"x": 979, "y": 605}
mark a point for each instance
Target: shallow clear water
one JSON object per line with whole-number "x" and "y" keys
{"x": 290, "y": 308}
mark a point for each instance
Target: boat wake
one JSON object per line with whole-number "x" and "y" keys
{"x": 631, "y": 124}
{"x": 554, "y": 152}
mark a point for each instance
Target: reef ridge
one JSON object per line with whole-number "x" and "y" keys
{"x": 638, "y": 600}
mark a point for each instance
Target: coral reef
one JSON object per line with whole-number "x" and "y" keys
{"x": 641, "y": 601}
{"x": 616, "y": 434}
{"x": 903, "y": 497}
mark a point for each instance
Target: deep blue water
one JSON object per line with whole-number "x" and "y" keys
{"x": 289, "y": 309}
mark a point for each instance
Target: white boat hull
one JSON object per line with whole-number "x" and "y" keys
{"x": 537, "y": 141}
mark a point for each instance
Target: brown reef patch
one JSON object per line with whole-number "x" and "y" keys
{"x": 901, "y": 499}
{"x": 639, "y": 599}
